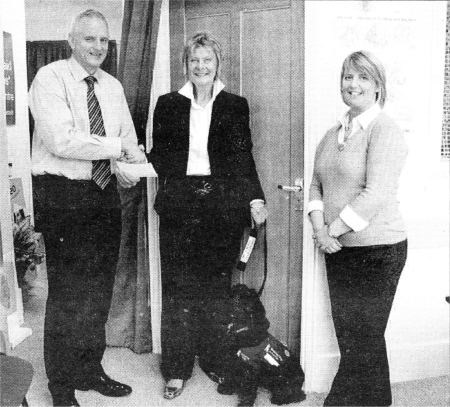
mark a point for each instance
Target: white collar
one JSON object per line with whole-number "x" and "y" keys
{"x": 188, "y": 90}
{"x": 363, "y": 119}
{"x": 79, "y": 72}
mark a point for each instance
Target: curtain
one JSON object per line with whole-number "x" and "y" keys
{"x": 129, "y": 321}
{"x": 129, "y": 316}
{"x": 137, "y": 58}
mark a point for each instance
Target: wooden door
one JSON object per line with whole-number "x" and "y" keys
{"x": 263, "y": 61}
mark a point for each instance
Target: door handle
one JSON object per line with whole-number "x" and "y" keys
{"x": 297, "y": 188}
{"x": 290, "y": 188}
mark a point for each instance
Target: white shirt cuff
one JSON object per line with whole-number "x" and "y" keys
{"x": 315, "y": 205}
{"x": 352, "y": 219}
{"x": 257, "y": 203}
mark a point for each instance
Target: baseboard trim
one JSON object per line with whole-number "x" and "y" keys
{"x": 419, "y": 361}
{"x": 407, "y": 362}
{"x": 16, "y": 333}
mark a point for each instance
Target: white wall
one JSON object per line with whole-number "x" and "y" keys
{"x": 409, "y": 37}
{"x": 51, "y": 19}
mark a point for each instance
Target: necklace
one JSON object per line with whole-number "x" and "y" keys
{"x": 347, "y": 122}
{"x": 341, "y": 146}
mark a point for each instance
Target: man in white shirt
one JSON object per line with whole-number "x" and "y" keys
{"x": 82, "y": 126}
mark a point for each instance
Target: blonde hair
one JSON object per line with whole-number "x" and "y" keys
{"x": 366, "y": 62}
{"x": 201, "y": 39}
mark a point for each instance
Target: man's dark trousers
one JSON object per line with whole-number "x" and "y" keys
{"x": 81, "y": 225}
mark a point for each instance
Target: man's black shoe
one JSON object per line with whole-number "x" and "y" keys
{"x": 104, "y": 385}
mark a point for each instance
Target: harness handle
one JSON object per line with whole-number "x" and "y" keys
{"x": 242, "y": 263}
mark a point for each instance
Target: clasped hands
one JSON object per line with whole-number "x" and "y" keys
{"x": 326, "y": 243}
{"x": 259, "y": 212}
{"x": 131, "y": 154}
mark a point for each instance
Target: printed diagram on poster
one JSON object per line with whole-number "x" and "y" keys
{"x": 8, "y": 68}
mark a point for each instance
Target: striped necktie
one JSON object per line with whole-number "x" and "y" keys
{"x": 101, "y": 169}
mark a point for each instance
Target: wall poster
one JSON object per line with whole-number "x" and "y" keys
{"x": 8, "y": 69}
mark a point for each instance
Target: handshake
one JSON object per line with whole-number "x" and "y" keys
{"x": 132, "y": 153}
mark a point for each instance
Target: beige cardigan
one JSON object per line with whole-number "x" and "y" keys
{"x": 364, "y": 175}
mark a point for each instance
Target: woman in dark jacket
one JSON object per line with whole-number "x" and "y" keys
{"x": 208, "y": 187}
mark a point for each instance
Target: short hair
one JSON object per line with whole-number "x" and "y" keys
{"x": 366, "y": 62}
{"x": 201, "y": 39}
{"x": 90, "y": 13}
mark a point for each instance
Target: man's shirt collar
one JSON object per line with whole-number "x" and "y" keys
{"x": 79, "y": 73}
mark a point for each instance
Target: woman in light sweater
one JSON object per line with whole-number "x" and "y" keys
{"x": 357, "y": 225}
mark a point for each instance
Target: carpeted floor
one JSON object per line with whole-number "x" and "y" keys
{"x": 142, "y": 373}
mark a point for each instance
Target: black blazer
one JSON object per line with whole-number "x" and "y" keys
{"x": 229, "y": 142}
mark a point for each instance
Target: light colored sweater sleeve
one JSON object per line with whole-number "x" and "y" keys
{"x": 386, "y": 155}
{"x": 315, "y": 188}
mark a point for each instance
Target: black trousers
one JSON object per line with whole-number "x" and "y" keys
{"x": 362, "y": 283}
{"x": 81, "y": 225}
{"x": 199, "y": 248}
